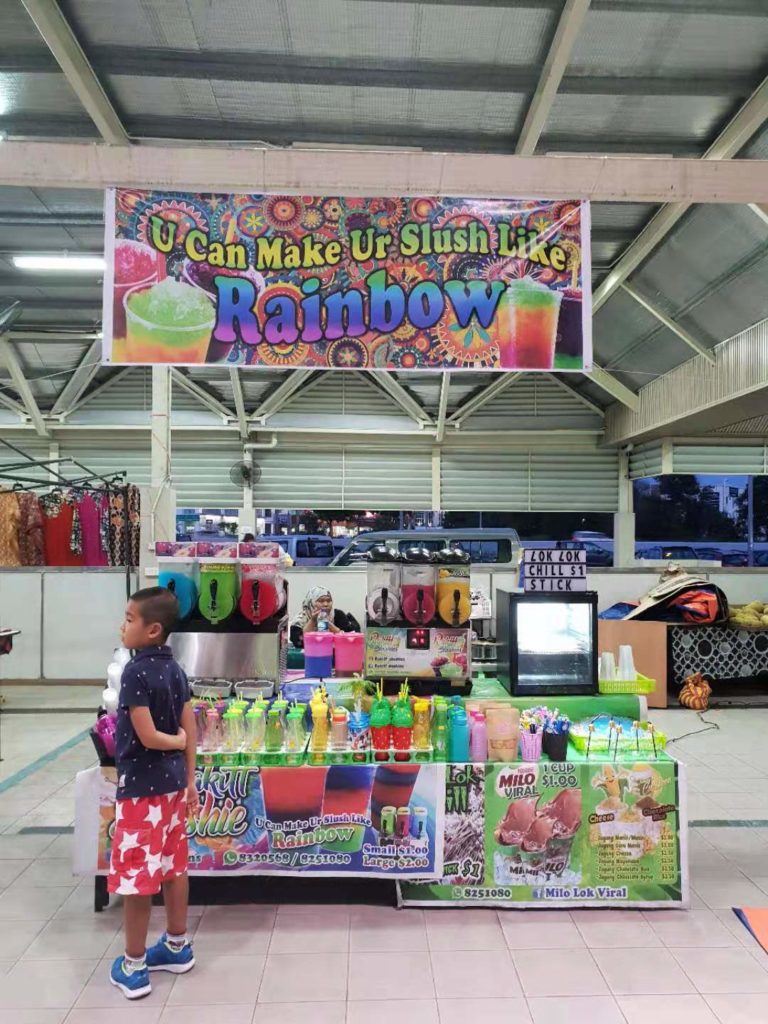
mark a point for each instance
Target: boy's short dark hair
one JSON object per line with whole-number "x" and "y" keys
{"x": 157, "y": 604}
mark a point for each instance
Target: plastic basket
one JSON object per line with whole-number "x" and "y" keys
{"x": 210, "y": 689}
{"x": 640, "y": 685}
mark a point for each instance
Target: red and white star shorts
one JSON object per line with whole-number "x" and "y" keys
{"x": 149, "y": 846}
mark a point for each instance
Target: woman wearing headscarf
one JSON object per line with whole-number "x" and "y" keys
{"x": 318, "y": 604}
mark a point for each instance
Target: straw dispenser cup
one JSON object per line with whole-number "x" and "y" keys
{"x": 454, "y": 603}
{"x": 419, "y": 577}
{"x": 384, "y": 576}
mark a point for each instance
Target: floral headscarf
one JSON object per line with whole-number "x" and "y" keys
{"x": 312, "y": 596}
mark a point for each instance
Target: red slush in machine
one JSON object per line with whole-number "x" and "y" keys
{"x": 405, "y": 637}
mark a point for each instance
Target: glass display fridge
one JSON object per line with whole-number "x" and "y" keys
{"x": 547, "y": 643}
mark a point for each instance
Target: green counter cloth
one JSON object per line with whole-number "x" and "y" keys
{"x": 621, "y": 705}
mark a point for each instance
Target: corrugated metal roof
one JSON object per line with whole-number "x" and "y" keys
{"x": 641, "y": 77}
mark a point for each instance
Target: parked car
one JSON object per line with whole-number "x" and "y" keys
{"x": 710, "y": 555}
{"x": 589, "y": 535}
{"x": 669, "y": 553}
{"x": 304, "y": 548}
{"x": 596, "y": 555}
{"x": 485, "y": 547}
{"x": 761, "y": 559}
{"x": 736, "y": 558}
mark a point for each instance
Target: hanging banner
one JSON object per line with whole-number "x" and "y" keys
{"x": 573, "y": 834}
{"x": 354, "y": 819}
{"x": 404, "y": 283}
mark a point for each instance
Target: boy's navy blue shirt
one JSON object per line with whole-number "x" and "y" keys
{"x": 151, "y": 679}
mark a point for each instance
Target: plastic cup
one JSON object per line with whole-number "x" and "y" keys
{"x": 627, "y": 670}
{"x": 169, "y": 322}
{"x": 348, "y": 791}
{"x": 607, "y": 666}
{"x": 292, "y": 794}
{"x": 530, "y": 745}
{"x": 526, "y": 325}
{"x": 136, "y": 265}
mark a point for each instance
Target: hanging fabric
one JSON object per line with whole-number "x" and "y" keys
{"x": 89, "y": 512}
{"x": 10, "y": 556}
{"x": 59, "y": 530}
{"x": 31, "y": 542}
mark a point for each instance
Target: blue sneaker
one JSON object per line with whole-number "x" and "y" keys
{"x": 133, "y": 985}
{"x": 161, "y": 957}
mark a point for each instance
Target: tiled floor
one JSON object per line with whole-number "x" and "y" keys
{"x": 365, "y": 965}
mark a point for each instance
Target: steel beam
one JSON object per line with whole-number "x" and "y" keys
{"x": 11, "y": 218}
{"x": 360, "y": 136}
{"x": 739, "y": 130}
{"x": 669, "y": 323}
{"x": 204, "y": 397}
{"x": 61, "y": 41}
{"x": 278, "y": 398}
{"x": 11, "y": 403}
{"x": 442, "y": 408}
{"x": 556, "y": 62}
{"x": 735, "y": 8}
{"x": 334, "y": 172}
{"x": 85, "y": 372}
{"x": 237, "y": 394}
{"x": 387, "y": 382}
{"x": 446, "y": 76}
{"x": 760, "y": 210}
{"x": 108, "y": 383}
{"x": 613, "y": 387}
{"x": 21, "y": 384}
{"x": 495, "y": 388}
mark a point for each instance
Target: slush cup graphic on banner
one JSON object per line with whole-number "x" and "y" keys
{"x": 401, "y": 283}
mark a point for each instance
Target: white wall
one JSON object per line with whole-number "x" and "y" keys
{"x": 70, "y": 618}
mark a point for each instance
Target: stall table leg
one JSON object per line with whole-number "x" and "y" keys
{"x": 100, "y": 894}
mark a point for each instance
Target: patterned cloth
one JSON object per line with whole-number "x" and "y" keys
{"x": 89, "y": 510}
{"x": 151, "y": 679}
{"x": 150, "y": 844}
{"x": 117, "y": 526}
{"x": 59, "y": 530}
{"x": 31, "y": 542}
{"x": 10, "y": 556}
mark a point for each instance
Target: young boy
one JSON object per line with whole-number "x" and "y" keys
{"x": 155, "y": 755}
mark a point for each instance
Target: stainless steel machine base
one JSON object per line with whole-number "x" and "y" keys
{"x": 231, "y": 655}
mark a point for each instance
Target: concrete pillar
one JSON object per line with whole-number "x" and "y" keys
{"x": 158, "y": 501}
{"x": 436, "y": 481}
{"x": 624, "y": 519}
{"x": 247, "y": 512}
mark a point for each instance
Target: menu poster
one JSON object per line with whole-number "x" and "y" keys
{"x": 581, "y": 834}
{"x": 384, "y": 820}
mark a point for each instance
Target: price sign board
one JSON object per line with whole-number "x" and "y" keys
{"x": 553, "y": 570}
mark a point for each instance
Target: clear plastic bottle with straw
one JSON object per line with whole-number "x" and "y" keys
{"x": 421, "y": 725}
{"x": 318, "y": 741}
{"x": 255, "y": 721}
{"x": 273, "y": 738}
{"x": 212, "y": 737}
{"x": 339, "y": 729}
{"x": 440, "y": 731}
{"x": 229, "y": 723}
{"x": 294, "y": 733}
